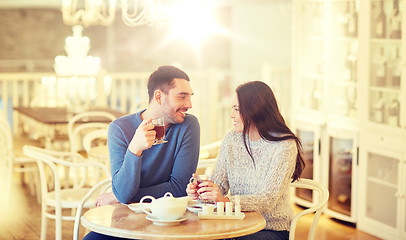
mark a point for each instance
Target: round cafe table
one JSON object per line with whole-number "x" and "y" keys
{"x": 119, "y": 221}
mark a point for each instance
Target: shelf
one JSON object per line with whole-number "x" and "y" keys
{"x": 386, "y": 41}
{"x": 385, "y": 89}
{"x": 382, "y": 182}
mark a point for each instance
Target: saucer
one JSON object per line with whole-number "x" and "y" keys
{"x": 165, "y": 222}
{"x": 136, "y": 207}
{"x": 198, "y": 207}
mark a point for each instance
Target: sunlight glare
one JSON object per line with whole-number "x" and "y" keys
{"x": 193, "y": 20}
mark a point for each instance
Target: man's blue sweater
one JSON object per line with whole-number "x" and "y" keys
{"x": 162, "y": 168}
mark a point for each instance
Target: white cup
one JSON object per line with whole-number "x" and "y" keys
{"x": 220, "y": 208}
{"x": 208, "y": 210}
{"x": 229, "y": 208}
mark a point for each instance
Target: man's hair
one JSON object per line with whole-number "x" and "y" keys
{"x": 162, "y": 79}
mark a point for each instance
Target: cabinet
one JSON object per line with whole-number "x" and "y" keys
{"x": 382, "y": 199}
{"x": 326, "y": 83}
{"x": 348, "y": 71}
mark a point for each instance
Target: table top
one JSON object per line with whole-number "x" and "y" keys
{"x": 59, "y": 115}
{"x": 118, "y": 220}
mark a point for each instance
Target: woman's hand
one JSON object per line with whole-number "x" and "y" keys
{"x": 191, "y": 189}
{"x": 106, "y": 199}
{"x": 210, "y": 191}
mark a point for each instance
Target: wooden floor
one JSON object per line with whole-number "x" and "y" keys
{"x": 21, "y": 219}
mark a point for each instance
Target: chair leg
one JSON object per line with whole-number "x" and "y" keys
{"x": 37, "y": 185}
{"x": 31, "y": 184}
{"x": 43, "y": 222}
{"x": 58, "y": 223}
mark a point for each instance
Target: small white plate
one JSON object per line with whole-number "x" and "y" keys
{"x": 165, "y": 222}
{"x": 136, "y": 207}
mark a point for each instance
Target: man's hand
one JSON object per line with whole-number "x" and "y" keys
{"x": 106, "y": 199}
{"x": 143, "y": 137}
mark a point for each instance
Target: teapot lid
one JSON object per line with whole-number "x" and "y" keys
{"x": 168, "y": 197}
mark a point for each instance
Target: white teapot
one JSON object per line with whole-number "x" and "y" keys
{"x": 166, "y": 207}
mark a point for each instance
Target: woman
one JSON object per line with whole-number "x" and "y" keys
{"x": 256, "y": 161}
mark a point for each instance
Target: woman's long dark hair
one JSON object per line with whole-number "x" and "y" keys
{"x": 258, "y": 107}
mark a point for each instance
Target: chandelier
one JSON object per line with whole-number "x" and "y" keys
{"x": 77, "y": 62}
{"x": 102, "y": 12}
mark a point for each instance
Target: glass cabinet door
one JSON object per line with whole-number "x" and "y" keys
{"x": 312, "y": 59}
{"x": 340, "y": 173}
{"x": 384, "y": 95}
{"x": 344, "y": 58}
{"x": 309, "y": 133}
{"x": 307, "y": 138}
{"x": 381, "y": 189}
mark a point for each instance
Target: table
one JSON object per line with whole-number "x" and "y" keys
{"x": 118, "y": 220}
{"x": 51, "y": 122}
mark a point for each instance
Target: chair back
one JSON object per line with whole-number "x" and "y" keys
{"x": 206, "y": 166}
{"x": 210, "y": 150}
{"x": 54, "y": 197}
{"x": 321, "y": 199}
{"x": 95, "y": 137}
{"x": 84, "y": 122}
{"x": 52, "y": 160}
{"x": 6, "y": 162}
{"x": 6, "y": 142}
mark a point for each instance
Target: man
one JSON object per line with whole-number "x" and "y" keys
{"x": 138, "y": 167}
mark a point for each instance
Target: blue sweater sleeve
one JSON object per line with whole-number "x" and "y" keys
{"x": 162, "y": 168}
{"x": 185, "y": 163}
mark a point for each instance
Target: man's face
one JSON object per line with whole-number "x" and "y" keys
{"x": 177, "y": 101}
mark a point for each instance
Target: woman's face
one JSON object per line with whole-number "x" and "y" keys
{"x": 235, "y": 115}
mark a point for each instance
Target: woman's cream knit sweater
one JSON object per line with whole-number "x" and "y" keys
{"x": 263, "y": 187}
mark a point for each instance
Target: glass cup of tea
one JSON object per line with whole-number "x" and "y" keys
{"x": 199, "y": 179}
{"x": 159, "y": 128}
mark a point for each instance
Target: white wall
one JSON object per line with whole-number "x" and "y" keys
{"x": 263, "y": 34}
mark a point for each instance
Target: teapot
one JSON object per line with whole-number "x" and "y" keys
{"x": 166, "y": 207}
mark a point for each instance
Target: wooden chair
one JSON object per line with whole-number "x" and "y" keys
{"x": 84, "y": 122}
{"x": 321, "y": 200}
{"x": 10, "y": 162}
{"x": 97, "y": 189}
{"x": 210, "y": 150}
{"x": 206, "y": 166}
{"x": 208, "y": 158}
{"x": 94, "y": 138}
{"x": 95, "y": 145}
{"x": 81, "y": 124}
{"x": 57, "y": 199}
